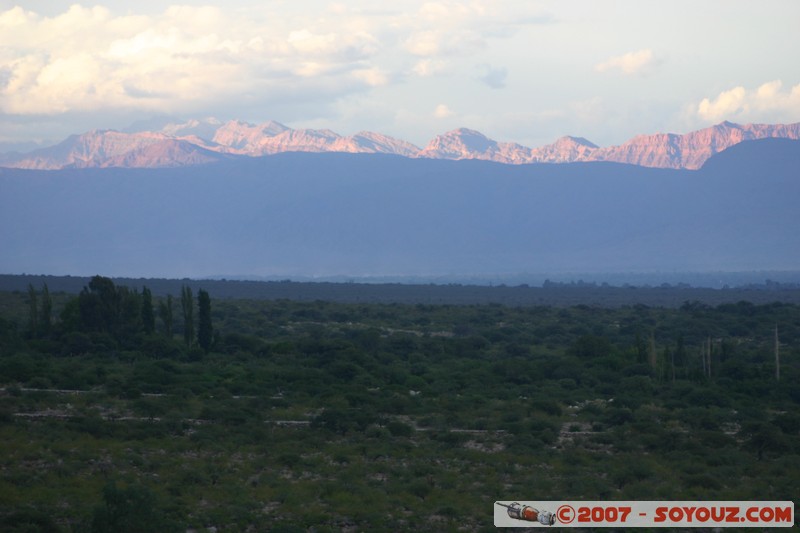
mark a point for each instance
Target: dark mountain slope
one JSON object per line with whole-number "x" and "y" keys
{"x": 327, "y": 214}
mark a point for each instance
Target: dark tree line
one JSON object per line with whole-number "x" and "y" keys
{"x": 124, "y": 314}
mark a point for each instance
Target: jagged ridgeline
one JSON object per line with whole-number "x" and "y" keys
{"x": 200, "y": 142}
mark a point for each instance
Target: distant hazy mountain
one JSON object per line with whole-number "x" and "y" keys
{"x": 309, "y": 214}
{"x": 108, "y": 148}
{"x": 242, "y": 138}
{"x": 204, "y": 141}
{"x": 464, "y": 143}
{"x": 564, "y": 150}
{"x": 198, "y": 142}
{"x": 693, "y": 149}
{"x": 469, "y": 144}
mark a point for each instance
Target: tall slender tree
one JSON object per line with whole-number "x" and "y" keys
{"x": 165, "y": 313}
{"x": 641, "y": 349}
{"x": 33, "y": 311}
{"x": 46, "y": 314}
{"x": 777, "y": 355}
{"x": 187, "y": 306}
{"x": 148, "y": 317}
{"x": 205, "y": 331}
{"x": 680, "y": 353}
{"x": 652, "y": 355}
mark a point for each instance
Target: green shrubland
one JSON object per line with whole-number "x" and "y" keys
{"x": 292, "y": 416}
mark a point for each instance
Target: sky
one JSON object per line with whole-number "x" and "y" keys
{"x": 525, "y": 71}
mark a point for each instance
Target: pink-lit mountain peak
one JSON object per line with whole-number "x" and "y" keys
{"x": 203, "y": 141}
{"x": 574, "y": 141}
{"x": 458, "y": 143}
{"x": 691, "y": 150}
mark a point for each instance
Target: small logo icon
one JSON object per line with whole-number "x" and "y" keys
{"x": 529, "y": 514}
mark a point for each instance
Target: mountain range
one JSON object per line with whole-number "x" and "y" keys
{"x": 364, "y": 215}
{"x": 197, "y": 142}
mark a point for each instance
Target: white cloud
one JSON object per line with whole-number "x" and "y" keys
{"x": 766, "y": 103}
{"x": 631, "y": 63}
{"x": 181, "y": 60}
{"x": 434, "y": 42}
{"x": 88, "y": 59}
{"x": 372, "y": 76}
{"x": 442, "y": 111}
{"x": 307, "y": 43}
{"x": 428, "y": 67}
{"x": 728, "y": 103}
{"x": 449, "y": 27}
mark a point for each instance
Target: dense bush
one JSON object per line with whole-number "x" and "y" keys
{"x": 297, "y": 413}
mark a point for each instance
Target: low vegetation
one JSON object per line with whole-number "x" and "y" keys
{"x": 122, "y": 411}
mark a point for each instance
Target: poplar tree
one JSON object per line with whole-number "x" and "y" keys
{"x": 33, "y": 308}
{"x": 46, "y": 316}
{"x": 148, "y": 317}
{"x": 165, "y": 313}
{"x": 187, "y": 306}
{"x": 204, "y": 327}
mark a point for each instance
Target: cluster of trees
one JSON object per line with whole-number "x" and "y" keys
{"x": 381, "y": 417}
{"x": 121, "y": 314}
{"x": 40, "y": 315}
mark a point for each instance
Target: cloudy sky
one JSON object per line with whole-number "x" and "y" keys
{"x": 527, "y": 71}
